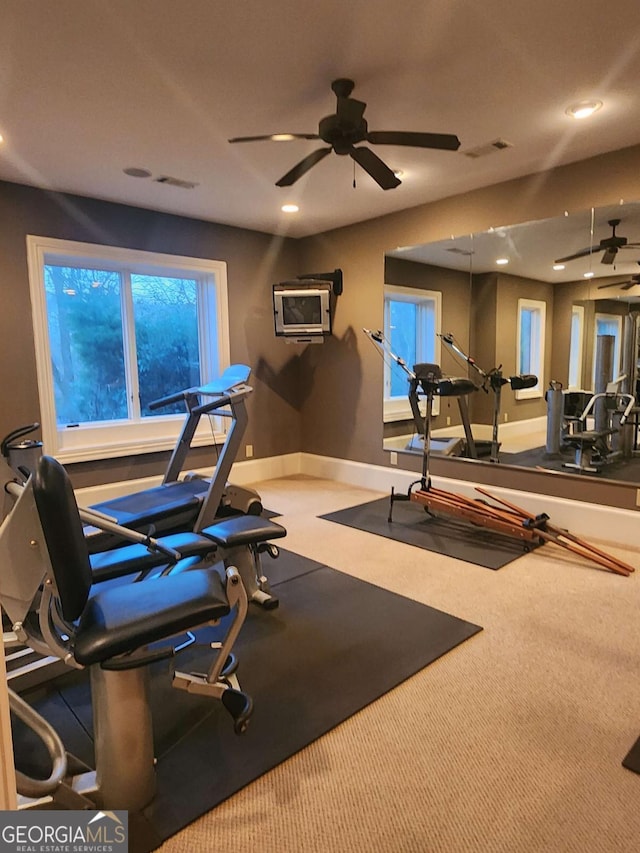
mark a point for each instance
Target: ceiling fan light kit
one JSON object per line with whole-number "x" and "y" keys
{"x": 345, "y": 130}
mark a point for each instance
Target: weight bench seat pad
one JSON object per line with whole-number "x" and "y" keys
{"x": 588, "y": 437}
{"x": 125, "y": 618}
{"x": 135, "y": 558}
{"x": 244, "y": 530}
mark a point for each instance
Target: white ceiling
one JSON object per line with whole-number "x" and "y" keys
{"x": 90, "y": 87}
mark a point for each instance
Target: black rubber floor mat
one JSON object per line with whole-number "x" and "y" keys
{"x": 413, "y": 526}
{"x": 308, "y": 666}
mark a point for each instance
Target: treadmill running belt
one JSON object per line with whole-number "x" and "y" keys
{"x": 163, "y": 499}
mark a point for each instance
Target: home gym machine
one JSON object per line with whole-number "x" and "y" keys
{"x": 607, "y": 441}
{"x": 493, "y": 381}
{"x": 47, "y": 592}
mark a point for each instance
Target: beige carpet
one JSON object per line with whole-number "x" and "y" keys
{"x": 511, "y": 742}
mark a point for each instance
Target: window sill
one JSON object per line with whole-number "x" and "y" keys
{"x": 528, "y": 394}
{"x": 91, "y": 452}
{"x": 400, "y": 410}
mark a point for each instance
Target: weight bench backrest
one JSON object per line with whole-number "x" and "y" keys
{"x": 64, "y": 536}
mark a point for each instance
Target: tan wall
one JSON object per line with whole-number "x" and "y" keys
{"x": 483, "y": 340}
{"x": 510, "y": 289}
{"x": 254, "y": 262}
{"x": 342, "y": 415}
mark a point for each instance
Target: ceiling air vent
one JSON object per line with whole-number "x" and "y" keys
{"x": 487, "y": 148}
{"x": 176, "y": 182}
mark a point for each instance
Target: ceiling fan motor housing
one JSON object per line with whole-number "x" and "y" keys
{"x": 341, "y": 135}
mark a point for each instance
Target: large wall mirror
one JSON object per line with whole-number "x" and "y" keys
{"x": 558, "y": 300}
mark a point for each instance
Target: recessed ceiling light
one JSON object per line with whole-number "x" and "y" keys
{"x": 134, "y": 172}
{"x": 398, "y": 173}
{"x": 583, "y": 109}
{"x": 502, "y": 261}
{"x": 588, "y": 275}
{"x": 558, "y": 267}
{"x": 282, "y": 137}
{"x": 1, "y": 139}
{"x": 289, "y": 208}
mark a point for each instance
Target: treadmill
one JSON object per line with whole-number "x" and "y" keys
{"x": 191, "y": 502}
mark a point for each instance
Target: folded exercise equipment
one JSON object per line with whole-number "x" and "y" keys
{"x": 116, "y": 631}
{"x": 507, "y": 519}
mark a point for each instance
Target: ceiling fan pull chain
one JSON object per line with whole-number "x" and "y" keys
{"x": 354, "y": 174}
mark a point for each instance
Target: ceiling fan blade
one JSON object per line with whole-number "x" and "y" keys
{"x": 623, "y": 285}
{"x": 275, "y": 137}
{"x": 445, "y": 141}
{"x": 350, "y": 111}
{"x": 581, "y": 254}
{"x": 374, "y": 166}
{"x": 303, "y": 166}
{"x": 609, "y": 255}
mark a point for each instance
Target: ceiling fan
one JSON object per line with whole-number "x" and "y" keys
{"x": 623, "y": 285}
{"x": 609, "y": 245}
{"x": 344, "y": 130}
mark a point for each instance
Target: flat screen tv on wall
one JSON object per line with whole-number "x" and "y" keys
{"x": 302, "y": 310}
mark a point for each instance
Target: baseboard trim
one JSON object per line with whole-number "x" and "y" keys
{"x": 594, "y": 522}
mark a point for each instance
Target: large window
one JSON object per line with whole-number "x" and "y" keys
{"x": 411, "y": 321}
{"x": 530, "y": 352}
{"x": 114, "y": 330}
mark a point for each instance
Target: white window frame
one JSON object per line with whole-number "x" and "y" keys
{"x": 104, "y": 440}
{"x": 617, "y": 349}
{"x": 399, "y": 408}
{"x": 576, "y": 348}
{"x": 536, "y": 366}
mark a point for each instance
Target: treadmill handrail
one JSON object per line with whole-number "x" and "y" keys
{"x": 224, "y": 400}
{"x": 172, "y": 398}
{"x": 234, "y": 377}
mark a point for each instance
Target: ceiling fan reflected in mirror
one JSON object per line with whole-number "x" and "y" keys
{"x": 634, "y": 281}
{"x": 346, "y": 129}
{"x": 609, "y": 245}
